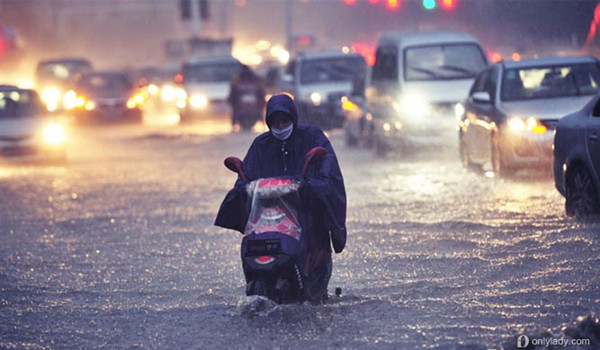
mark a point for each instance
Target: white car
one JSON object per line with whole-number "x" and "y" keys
{"x": 26, "y": 129}
{"x": 207, "y": 82}
{"x": 513, "y": 107}
{"x": 416, "y": 82}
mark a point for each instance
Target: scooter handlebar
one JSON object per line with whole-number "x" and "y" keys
{"x": 235, "y": 164}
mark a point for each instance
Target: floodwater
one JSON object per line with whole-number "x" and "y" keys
{"x": 116, "y": 250}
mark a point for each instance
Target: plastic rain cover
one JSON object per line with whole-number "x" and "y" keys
{"x": 274, "y": 207}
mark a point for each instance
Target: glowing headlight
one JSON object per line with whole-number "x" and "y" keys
{"x": 54, "y": 134}
{"x": 135, "y": 101}
{"x": 51, "y": 97}
{"x": 90, "y": 105}
{"x": 414, "y": 104}
{"x": 315, "y": 98}
{"x": 198, "y": 101}
{"x": 71, "y": 100}
{"x": 531, "y": 124}
{"x": 168, "y": 93}
{"x": 459, "y": 110}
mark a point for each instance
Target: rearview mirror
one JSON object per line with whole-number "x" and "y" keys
{"x": 481, "y": 97}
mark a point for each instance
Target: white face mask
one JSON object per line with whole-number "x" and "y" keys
{"x": 282, "y": 134}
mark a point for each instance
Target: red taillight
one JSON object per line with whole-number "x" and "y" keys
{"x": 265, "y": 259}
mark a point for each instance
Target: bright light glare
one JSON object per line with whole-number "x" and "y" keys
{"x": 168, "y": 93}
{"x": 414, "y": 104}
{"x": 54, "y": 134}
{"x": 198, "y": 101}
{"x": 459, "y": 110}
{"x": 532, "y": 124}
{"x": 280, "y": 53}
{"x": 50, "y": 96}
{"x": 315, "y": 98}
{"x": 517, "y": 124}
{"x": 70, "y": 100}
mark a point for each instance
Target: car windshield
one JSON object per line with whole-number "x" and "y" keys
{"x": 19, "y": 104}
{"x": 63, "y": 70}
{"x": 443, "y": 62}
{"x": 211, "y": 72}
{"x": 105, "y": 83}
{"x": 550, "y": 82}
{"x": 338, "y": 69}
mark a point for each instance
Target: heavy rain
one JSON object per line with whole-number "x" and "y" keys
{"x": 466, "y": 132}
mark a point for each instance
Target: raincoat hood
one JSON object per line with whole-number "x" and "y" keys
{"x": 282, "y": 103}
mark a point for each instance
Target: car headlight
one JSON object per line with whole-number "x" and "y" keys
{"x": 531, "y": 124}
{"x": 71, "y": 100}
{"x": 413, "y": 104}
{"x": 90, "y": 105}
{"x": 198, "y": 101}
{"x": 136, "y": 100}
{"x": 459, "y": 110}
{"x": 54, "y": 134}
{"x": 51, "y": 97}
{"x": 168, "y": 93}
{"x": 315, "y": 98}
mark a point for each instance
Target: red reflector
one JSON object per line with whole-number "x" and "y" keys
{"x": 265, "y": 259}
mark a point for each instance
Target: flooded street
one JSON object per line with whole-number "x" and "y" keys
{"x": 117, "y": 250}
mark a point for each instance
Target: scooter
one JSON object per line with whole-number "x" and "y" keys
{"x": 248, "y": 109}
{"x": 274, "y": 247}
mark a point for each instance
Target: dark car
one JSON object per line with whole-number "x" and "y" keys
{"x": 577, "y": 160}
{"x": 512, "y": 110}
{"x": 55, "y": 77}
{"x": 107, "y": 97}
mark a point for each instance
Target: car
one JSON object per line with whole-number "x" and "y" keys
{"x": 319, "y": 80}
{"x": 513, "y": 107}
{"x": 576, "y": 165}
{"x": 100, "y": 97}
{"x": 55, "y": 77}
{"x": 207, "y": 82}
{"x": 416, "y": 83}
{"x": 27, "y": 130}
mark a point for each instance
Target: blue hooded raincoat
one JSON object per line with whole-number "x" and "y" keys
{"x": 324, "y": 185}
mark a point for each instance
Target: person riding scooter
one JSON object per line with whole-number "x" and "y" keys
{"x": 280, "y": 153}
{"x": 247, "y": 98}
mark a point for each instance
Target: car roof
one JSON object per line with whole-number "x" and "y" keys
{"x": 328, "y": 54}
{"x": 425, "y": 38}
{"x": 212, "y": 59}
{"x": 65, "y": 60}
{"x": 10, "y": 88}
{"x": 548, "y": 61}
{"x": 104, "y": 73}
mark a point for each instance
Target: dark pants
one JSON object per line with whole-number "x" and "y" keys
{"x": 318, "y": 280}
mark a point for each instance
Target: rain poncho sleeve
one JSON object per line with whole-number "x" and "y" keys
{"x": 325, "y": 191}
